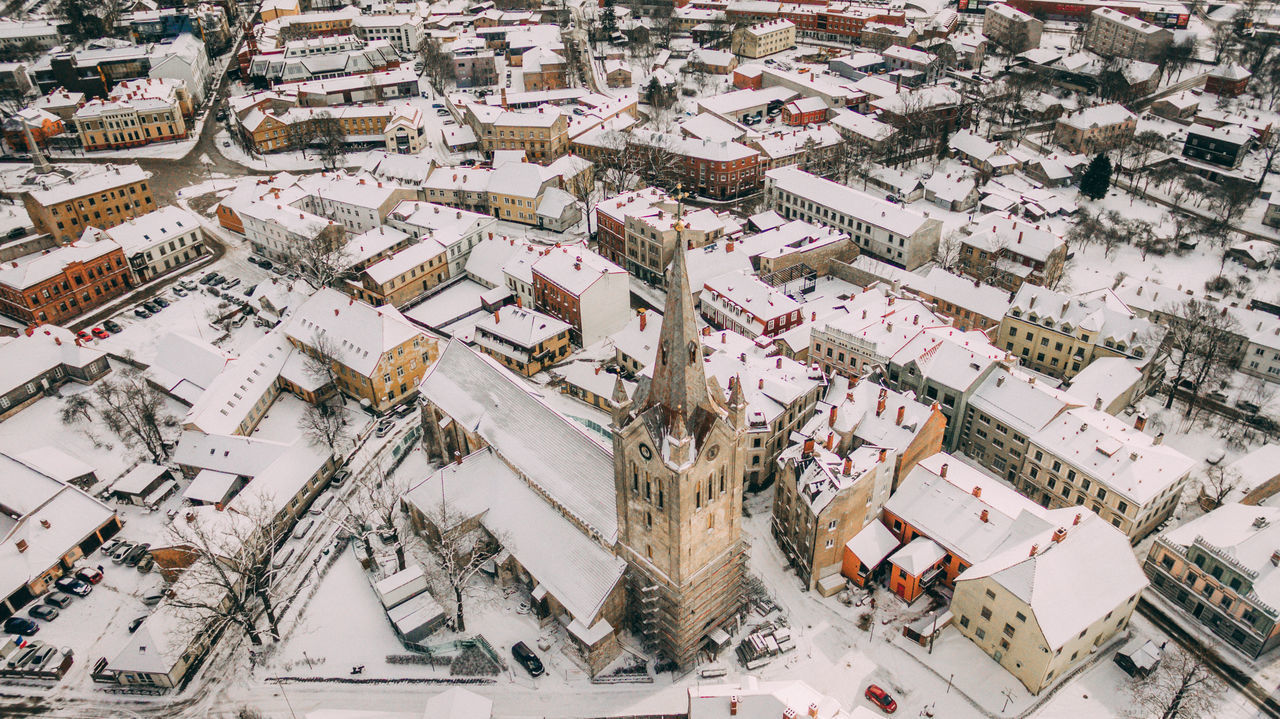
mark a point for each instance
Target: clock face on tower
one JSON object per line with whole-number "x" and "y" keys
{"x": 711, "y": 453}
{"x": 646, "y": 452}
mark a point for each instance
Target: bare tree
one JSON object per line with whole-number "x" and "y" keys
{"x": 1181, "y": 687}
{"x": 321, "y": 258}
{"x": 948, "y": 255}
{"x": 1207, "y": 342}
{"x": 130, "y": 408}
{"x": 619, "y": 165}
{"x": 585, "y": 193}
{"x": 230, "y": 579}
{"x": 437, "y": 64}
{"x": 329, "y": 139}
{"x": 459, "y": 547}
{"x": 1216, "y": 484}
{"x": 325, "y": 425}
{"x": 321, "y": 360}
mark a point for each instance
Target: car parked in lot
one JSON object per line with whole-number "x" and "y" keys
{"x": 110, "y": 545}
{"x": 151, "y": 307}
{"x": 83, "y": 336}
{"x": 89, "y": 575}
{"x": 43, "y": 611}
{"x": 179, "y": 292}
{"x": 403, "y": 410}
{"x": 231, "y": 283}
{"x": 121, "y": 551}
{"x": 188, "y": 285}
{"x": 141, "y": 312}
{"x": 339, "y": 477}
{"x": 136, "y": 554}
{"x": 99, "y": 333}
{"x": 20, "y": 625}
{"x": 112, "y": 326}
{"x": 217, "y": 280}
{"x": 265, "y": 264}
{"x": 58, "y": 599}
{"x": 146, "y": 563}
{"x": 162, "y": 302}
{"x": 527, "y": 659}
{"x": 881, "y": 698}
{"x": 21, "y": 657}
{"x": 71, "y": 585}
{"x": 385, "y": 427}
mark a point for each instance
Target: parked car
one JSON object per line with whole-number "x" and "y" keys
{"x": 151, "y": 307}
{"x": 112, "y": 326}
{"x": 208, "y": 278}
{"x": 43, "y": 611}
{"x": 403, "y": 410}
{"x": 22, "y": 656}
{"x": 217, "y": 280}
{"x": 188, "y": 285}
{"x": 58, "y": 599}
{"x": 71, "y": 585}
{"x": 881, "y": 699}
{"x": 179, "y": 292}
{"x": 135, "y": 555}
{"x": 42, "y": 656}
{"x": 385, "y": 427}
{"x": 231, "y": 283}
{"x": 153, "y": 599}
{"x": 122, "y": 551}
{"x": 141, "y": 312}
{"x": 162, "y": 302}
{"x": 339, "y": 477}
{"x": 110, "y": 546}
{"x": 83, "y": 336}
{"x": 146, "y": 563}
{"x": 265, "y": 264}
{"x": 89, "y": 575}
{"x": 20, "y": 625}
{"x": 527, "y": 659}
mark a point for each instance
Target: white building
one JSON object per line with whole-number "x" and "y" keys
{"x": 584, "y": 289}
{"x": 889, "y": 231}
{"x": 157, "y": 241}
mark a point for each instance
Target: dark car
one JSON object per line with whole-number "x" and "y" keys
{"x": 142, "y": 313}
{"x": 136, "y": 555}
{"x": 111, "y": 326}
{"x": 43, "y": 611}
{"x": 232, "y": 283}
{"x": 527, "y": 659}
{"x": 137, "y": 622}
{"x": 217, "y": 280}
{"x": 162, "y": 302}
{"x": 881, "y": 699}
{"x": 403, "y": 410}
{"x": 208, "y": 278}
{"x": 89, "y": 575}
{"x": 151, "y": 307}
{"x": 20, "y": 625}
{"x": 71, "y": 585}
{"x": 265, "y": 264}
{"x": 58, "y": 599}
{"x": 188, "y": 285}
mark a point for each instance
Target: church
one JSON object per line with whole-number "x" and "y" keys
{"x": 640, "y": 535}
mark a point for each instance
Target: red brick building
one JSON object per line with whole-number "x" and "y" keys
{"x": 62, "y": 284}
{"x": 805, "y": 111}
{"x": 833, "y": 22}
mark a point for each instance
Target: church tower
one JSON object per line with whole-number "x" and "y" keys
{"x": 678, "y": 468}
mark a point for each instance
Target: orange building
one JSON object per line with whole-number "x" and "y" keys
{"x": 59, "y": 285}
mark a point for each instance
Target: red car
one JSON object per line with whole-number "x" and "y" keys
{"x": 83, "y": 336}
{"x": 881, "y": 699}
{"x": 89, "y": 574}
{"x": 100, "y": 333}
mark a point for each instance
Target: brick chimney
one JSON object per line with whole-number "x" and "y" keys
{"x": 733, "y": 705}
{"x": 831, "y": 420}
{"x": 831, "y": 441}
{"x": 644, "y": 320}
{"x": 1060, "y": 534}
{"x": 813, "y": 710}
{"x": 21, "y": 545}
{"x": 883, "y": 454}
{"x": 808, "y": 447}
{"x": 496, "y": 318}
{"x": 1034, "y": 549}
{"x": 1140, "y": 422}
{"x": 902, "y": 412}
{"x": 943, "y": 472}
{"x": 848, "y": 465}
{"x": 984, "y": 516}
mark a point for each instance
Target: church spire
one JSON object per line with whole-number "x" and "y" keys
{"x": 679, "y": 383}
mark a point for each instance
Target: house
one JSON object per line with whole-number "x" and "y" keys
{"x": 48, "y": 526}
{"x": 61, "y": 284}
{"x": 156, "y": 242}
{"x": 42, "y": 359}
{"x": 754, "y": 699}
{"x": 582, "y": 288}
{"x": 1227, "y": 80}
{"x": 101, "y": 196}
{"x": 764, "y": 39}
{"x": 1006, "y": 251}
{"x": 522, "y": 339}
{"x": 804, "y": 111}
{"x": 1007, "y": 408}
{"x": 1215, "y": 569}
{"x": 743, "y": 303}
{"x": 1096, "y": 129}
{"x": 1084, "y": 456}
{"x": 1222, "y": 146}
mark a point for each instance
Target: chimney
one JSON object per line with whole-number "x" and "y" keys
{"x": 45, "y": 523}
{"x": 21, "y": 545}
{"x": 831, "y": 441}
{"x": 883, "y": 454}
{"x": 1140, "y": 422}
{"x": 1275, "y": 558}
{"x": 831, "y": 418}
{"x": 789, "y": 713}
{"x": 496, "y": 318}
{"x": 848, "y": 465}
{"x": 57, "y": 341}
{"x": 880, "y": 406}
{"x": 902, "y": 411}
{"x": 1060, "y": 534}
{"x": 733, "y": 705}
{"x": 190, "y": 517}
{"x": 335, "y": 311}
{"x": 728, "y": 247}
{"x": 1034, "y": 547}
{"x": 985, "y": 516}
{"x": 643, "y": 321}
{"x": 943, "y": 472}
{"x": 1158, "y": 440}
{"x": 1076, "y": 521}
{"x": 808, "y": 447}
{"x": 760, "y": 383}
{"x": 1097, "y": 403}
{"x": 813, "y": 710}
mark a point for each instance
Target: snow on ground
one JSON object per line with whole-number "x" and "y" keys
{"x": 157, "y": 150}
{"x": 280, "y": 423}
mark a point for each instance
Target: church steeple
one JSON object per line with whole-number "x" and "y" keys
{"x": 679, "y": 384}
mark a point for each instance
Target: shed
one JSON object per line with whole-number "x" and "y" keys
{"x": 417, "y": 617}
{"x": 1138, "y": 660}
{"x": 139, "y": 482}
{"x": 401, "y": 586}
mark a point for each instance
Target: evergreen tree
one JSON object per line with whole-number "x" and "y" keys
{"x": 944, "y": 142}
{"x": 1097, "y": 178}
{"x": 608, "y": 19}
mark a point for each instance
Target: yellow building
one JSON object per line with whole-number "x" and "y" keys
{"x": 377, "y": 354}
{"x": 764, "y": 38}
{"x": 403, "y": 276}
{"x": 100, "y": 196}
{"x": 542, "y": 133}
{"x": 136, "y": 113}
{"x": 523, "y": 340}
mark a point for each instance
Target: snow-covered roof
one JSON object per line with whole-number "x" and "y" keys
{"x": 26, "y": 357}
{"x": 1099, "y": 116}
{"x": 360, "y": 333}
{"x": 872, "y": 544}
{"x": 918, "y": 556}
{"x": 550, "y": 451}
{"x": 574, "y": 568}
{"x": 762, "y": 700}
{"x": 1015, "y": 399}
{"x": 867, "y": 208}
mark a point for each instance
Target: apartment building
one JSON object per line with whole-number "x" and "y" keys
{"x": 543, "y": 134}
{"x": 764, "y": 39}
{"x": 1217, "y": 568}
{"x": 822, "y": 501}
{"x": 458, "y": 230}
{"x": 99, "y": 196}
{"x": 377, "y": 354}
{"x": 741, "y": 302}
{"x": 156, "y": 242}
{"x": 1096, "y": 129}
{"x": 405, "y": 31}
{"x": 717, "y": 169}
{"x": 274, "y": 229}
{"x": 583, "y": 289}
{"x": 1059, "y": 334}
{"x": 359, "y": 202}
{"x": 883, "y": 229}
{"x": 404, "y": 276}
{"x": 1006, "y": 251}
{"x": 270, "y": 131}
{"x": 1115, "y": 34}
{"x": 1010, "y": 28}
{"x": 1086, "y": 586}
{"x": 650, "y": 234}
{"x": 1222, "y": 146}
{"x": 136, "y": 113}
{"x": 611, "y": 219}
{"x": 1005, "y": 410}
{"x": 523, "y": 340}
{"x": 876, "y": 324}
{"x": 1086, "y": 457}
{"x": 58, "y": 285}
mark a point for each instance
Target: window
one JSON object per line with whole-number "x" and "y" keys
{"x": 986, "y": 613}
